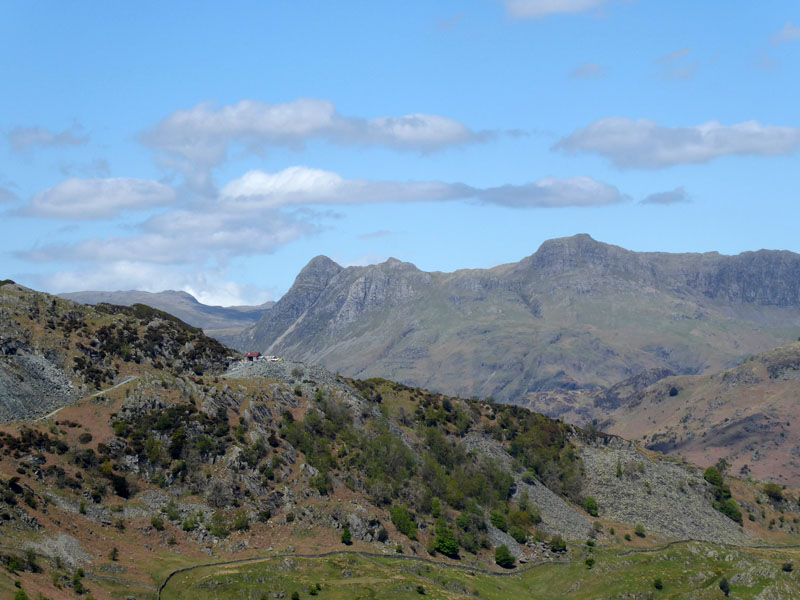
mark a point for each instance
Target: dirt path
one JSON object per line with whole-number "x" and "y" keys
{"x": 113, "y": 387}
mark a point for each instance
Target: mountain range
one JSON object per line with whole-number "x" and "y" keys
{"x": 213, "y": 320}
{"x": 576, "y": 314}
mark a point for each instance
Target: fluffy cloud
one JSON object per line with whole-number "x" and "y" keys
{"x": 90, "y": 199}
{"x": 202, "y": 134}
{"x": 552, "y": 192}
{"x": 305, "y": 186}
{"x": 255, "y": 214}
{"x": 788, "y": 33}
{"x": 25, "y": 138}
{"x": 676, "y": 196}
{"x": 536, "y": 9}
{"x": 645, "y": 144}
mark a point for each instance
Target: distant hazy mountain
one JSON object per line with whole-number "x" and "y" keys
{"x": 576, "y": 314}
{"x": 220, "y": 321}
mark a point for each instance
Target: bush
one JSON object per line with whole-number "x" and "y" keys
{"x": 401, "y": 518}
{"x": 503, "y": 557}
{"x": 590, "y": 506}
{"x": 240, "y": 521}
{"x": 725, "y": 586}
{"x": 498, "y": 520}
{"x": 518, "y": 533}
{"x": 157, "y": 523}
{"x": 85, "y": 438}
{"x": 639, "y": 530}
{"x": 773, "y": 491}
{"x": 713, "y": 476}
{"x": 658, "y": 584}
{"x": 787, "y": 567}
{"x": 557, "y": 544}
{"x": 589, "y": 562}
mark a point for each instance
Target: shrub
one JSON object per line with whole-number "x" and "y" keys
{"x": 639, "y": 530}
{"x": 401, "y": 518}
{"x": 773, "y": 491}
{"x": 589, "y": 562}
{"x": 658, "y": 584}
{"x": 590, "y": 506}
{"x": 498, "y": 520}
{"x": 787, "y": 567}
{"x": 157, "y": 523}
{"x": 20, "y": 595}
{"x": 518, "y": 533}
{"x": 85, "y": 437}
{"x": 725, "y": 586}
{"x": 240, "y": 521}
{"x": 713, "y": 476}
{"x": 557, "y": 544}
{"x": 503, "y": 557}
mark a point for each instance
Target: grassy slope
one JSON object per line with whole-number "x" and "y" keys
{"x": 686, "y": 568}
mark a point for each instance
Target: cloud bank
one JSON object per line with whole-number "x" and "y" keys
{"x": 92, "y": 199}
{"x": 536, "y": 9}
{"x": 644, "y": 144}
{"x": 25, "y": 138}
{"x": 203, "y": 134}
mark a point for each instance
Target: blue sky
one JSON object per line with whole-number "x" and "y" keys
{"x": 217, "y": 149}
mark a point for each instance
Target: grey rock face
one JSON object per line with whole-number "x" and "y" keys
{"x": 662, "y": 496}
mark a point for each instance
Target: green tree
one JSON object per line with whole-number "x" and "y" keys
{"x": 503, "y": 557}
{"x": 347, "y": 537}
{"x": 446, "y": 541}
{"x": 773, "y": 491}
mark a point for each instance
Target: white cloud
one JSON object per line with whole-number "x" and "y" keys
{"x": 209, "y": 286}
{"x": 676, "y": 196}
{"x": 552, "y": 192}
{"x": 306, "y": 186}
{"x": 788, "y": 33}
{"x": 91, "y": 199}
{"x": 647, "y": 145}
{"x": 203, "y": 134}
{"x": 536, "y": 9}
{"x": 255, "y": 214}
{"x": 588, "y": 70}
{"x": 25, "y": 138}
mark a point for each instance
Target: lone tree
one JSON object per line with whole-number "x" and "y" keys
{"x": 347, "y": 537}
{"x": 725, "y": 586}
{"x": 503, "y": 557}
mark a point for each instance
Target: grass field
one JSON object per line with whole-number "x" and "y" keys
{"x": 685, "y": 570}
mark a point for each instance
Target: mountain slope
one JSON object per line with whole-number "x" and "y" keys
{"x": 176, "y": 463}
{"x": 214, "y": 320}
{"x": 746, "y": 415}
{"x": 576, "y": 314}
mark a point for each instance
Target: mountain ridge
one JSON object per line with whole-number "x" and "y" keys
{"x": 577, "y": 313}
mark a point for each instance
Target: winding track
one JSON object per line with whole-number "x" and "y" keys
{"x": 113, "y": 387}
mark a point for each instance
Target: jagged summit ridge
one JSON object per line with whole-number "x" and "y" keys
{"x": 577, "y": 313}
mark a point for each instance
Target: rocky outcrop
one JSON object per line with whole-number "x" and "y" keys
{"x": 663, "y": 496}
